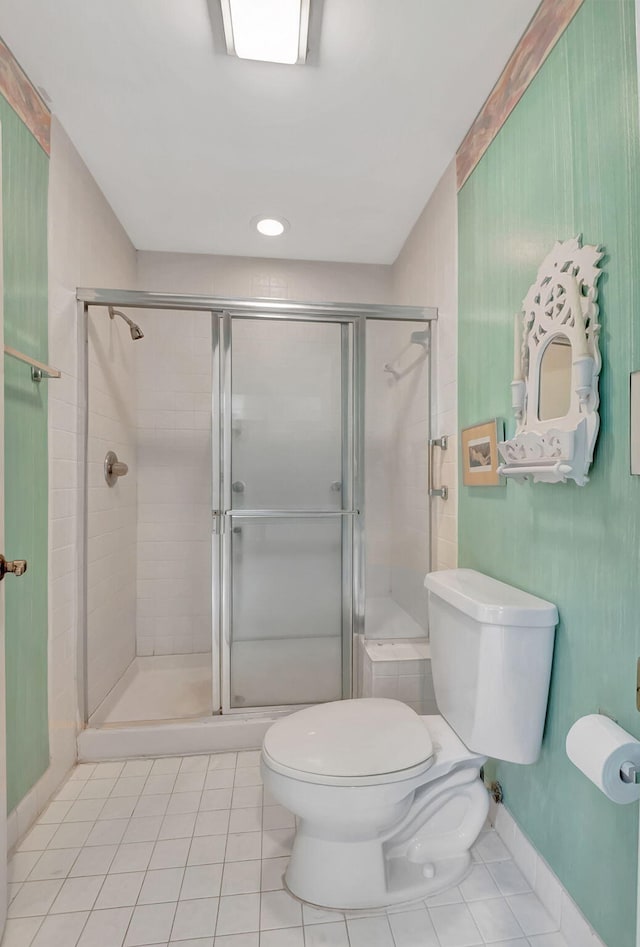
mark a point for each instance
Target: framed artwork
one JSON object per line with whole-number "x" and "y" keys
{"x": 480, "y": 460}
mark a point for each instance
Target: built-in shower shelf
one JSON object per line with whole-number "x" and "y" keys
{"x": 401, "y": 670}
{"x": 38, "y": 369}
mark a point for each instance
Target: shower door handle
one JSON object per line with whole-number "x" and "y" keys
{"x": 442, "y": 443}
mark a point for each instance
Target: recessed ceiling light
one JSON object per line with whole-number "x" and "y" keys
{"x": 267, "y": 30}
{"x": 271, "y": 226}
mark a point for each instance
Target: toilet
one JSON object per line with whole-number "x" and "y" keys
{"x": 388, "y": 804}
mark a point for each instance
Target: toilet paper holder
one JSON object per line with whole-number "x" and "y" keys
{"x": 630, "y": 772}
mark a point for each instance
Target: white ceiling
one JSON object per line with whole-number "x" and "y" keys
{"x": 189, "y": 144}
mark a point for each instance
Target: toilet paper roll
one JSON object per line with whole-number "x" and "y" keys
{"x": 598, "y": 747}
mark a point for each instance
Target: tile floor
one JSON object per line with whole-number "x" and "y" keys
{"x": 187, "y": 852}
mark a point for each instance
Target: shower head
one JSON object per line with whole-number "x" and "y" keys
{"x": 134, "y": 329}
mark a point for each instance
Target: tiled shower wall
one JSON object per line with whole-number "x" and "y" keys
{"x": 173, "y": 469}
{"x": 111, "y": 538}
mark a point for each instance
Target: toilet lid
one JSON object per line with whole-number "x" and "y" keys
{"x": 363, "y": 737}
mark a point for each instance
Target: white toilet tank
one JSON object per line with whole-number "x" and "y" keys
{"x": 491, "y": 653}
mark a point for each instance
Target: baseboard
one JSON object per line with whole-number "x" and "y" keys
{"x": 574, "y": 927}
{"x": 20, "y": 819}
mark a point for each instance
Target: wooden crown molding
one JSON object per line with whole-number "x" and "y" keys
{"x": 23, "y": 98}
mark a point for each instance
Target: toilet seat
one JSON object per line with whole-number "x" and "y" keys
{"x": 360, "y": 742}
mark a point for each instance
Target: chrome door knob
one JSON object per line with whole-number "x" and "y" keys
{"x": 113, "y": 468}
{"x": 17, "y": 567}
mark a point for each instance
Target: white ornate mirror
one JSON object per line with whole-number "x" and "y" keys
{"x": 556, "y": 368}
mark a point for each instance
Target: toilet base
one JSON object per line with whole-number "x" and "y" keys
{"x": 427, "y": 852}
{"x": 407, "y": 885}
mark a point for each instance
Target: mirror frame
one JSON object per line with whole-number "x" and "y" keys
{"x": 561, "y": 301}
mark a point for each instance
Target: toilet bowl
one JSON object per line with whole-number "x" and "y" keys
{"x": 388, "y": 804}
{"x": 370, "y": 834}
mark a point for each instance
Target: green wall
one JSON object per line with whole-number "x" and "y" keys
{"x": 25, "y": 171}
{"x": 566, "y": 162}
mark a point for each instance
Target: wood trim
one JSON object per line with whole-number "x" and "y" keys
{"x": 23, "y": 98}
{"x": 545, "y": 29}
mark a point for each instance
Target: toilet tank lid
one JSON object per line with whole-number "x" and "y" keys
{"x": 488, "y": 601}
{"x": 363, "y": 737}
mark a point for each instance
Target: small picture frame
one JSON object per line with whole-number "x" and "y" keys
{"x": 480, "y": 458}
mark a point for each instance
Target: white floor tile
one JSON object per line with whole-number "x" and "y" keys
{"x": 455, "y": 926}
{"x": 168, "y": 766}
{"x": 178, "y": 826}
{"x": 121, "y": 808}
{"x": 278, "y": 909}
{"x": 159, "y": 785}
{"x": 530, "y": 914}
{"x": 171, "y": 853}
{"x": 106, "y": 928}
{"x": 241, "y": 877}
{"x": 479, "y": 885}
{"x": 83, "y": 771}
{"x": 413, "y": 929}
{"x": 370, "y": 932}
{"x": 216, "y": 799}
{"x": 202, "y": 881}
{"x": 21, "y": 864}
{"x": 450, "y": 896}
{"x": 55, "y": 863}
{"x": 227, "y": 940}
{"x": 249, "y": 776}
{"x": 77, "y": 894}
{"x": 55, "y": 812}
{"x": 190, "y": 782}
{"x": 137, "y": 768}
{"x": 546, "y": 940}
{"x": 182, "y": 802}
{"x": 277, "y": 817}
{"x": 84, "y": 810}
{"x": 20, "y": 931}
{"x": 150, "y": 924}
{"x": 144, "y": 829}
{"x": 223, "y": 761}
{"x": 70, "y": 835}
{"x": 34, "y": 898}
{"x": 194, "y": 764}
{"x": 238, "y": 914}
{"x": 290, "y": 937}
{"x": 95, "y": 860}
{"x": 70, "y": 790}
{"x": 244, "y": 797}
{"x": 161, "y": 885}
{"x": 277, "y": 842}
{"x": 128, "y": 786}
{"x": 151, "y": 805}
{"x": 491, "y": 848}
{"x": 495, "y": 920}
{"x": 195, "y": 918}
{"x": 508, "y": 878}
{"x": 38, "y": 838}
{"x": 108, "y": 770}
{"x": 97, "y": 789}
{"x": 311, "y": 915}
{"x": 219, "y": 779}
{"x": 207, "y": 850}
{"x": 245, "y": 820}
{"x": 248, "y": 758}
{"x": 327, "y": 935}
{"x": 243, "y": 847}
{"x": 213, "y": 822}
{"x": 120, "y": 891}
{"x": 107, "y": 832}
{"x": 133, "y": 856}
{"x": 61, "y": 930}
{"x": 273, "y": 870}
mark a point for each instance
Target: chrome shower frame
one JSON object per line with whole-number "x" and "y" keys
{"x": 353, "y": 318}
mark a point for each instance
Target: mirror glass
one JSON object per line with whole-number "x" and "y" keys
{"x": 555, "y": 379}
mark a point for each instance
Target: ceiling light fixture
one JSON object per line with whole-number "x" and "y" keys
{"x": 267, "y": 30}
{"x": 271, "y": 226}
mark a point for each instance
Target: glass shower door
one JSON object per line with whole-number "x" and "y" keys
{"x": 287, "y": 495}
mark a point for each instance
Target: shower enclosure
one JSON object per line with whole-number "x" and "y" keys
{"x": 225, "y": 572}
